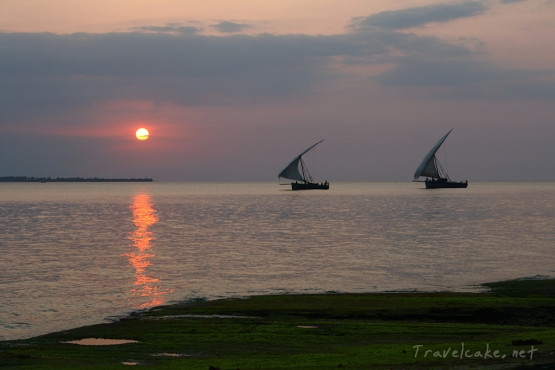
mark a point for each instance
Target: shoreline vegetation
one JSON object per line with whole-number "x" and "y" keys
{"x": 69, "y": 179}
{"x": 509, "y": 326}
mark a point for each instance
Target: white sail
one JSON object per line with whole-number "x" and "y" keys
{"x": 428, "y": 167}
{"x": 292, "y": 172}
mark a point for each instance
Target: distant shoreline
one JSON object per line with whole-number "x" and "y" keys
{"x": 69, "y": 179}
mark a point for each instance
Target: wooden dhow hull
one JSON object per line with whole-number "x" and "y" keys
{"x": 441, "y": 184}
{"x": 309, "y": 186}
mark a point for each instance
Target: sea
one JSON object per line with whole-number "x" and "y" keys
{"x": 75, "y": 254}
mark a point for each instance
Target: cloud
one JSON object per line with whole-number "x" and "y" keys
{"x": 172, "y": 28}
{"x": 49, "y": 73}
{"x": 230, "y": 27}
{"x": 467, "y": 78}
{"x": 419, "y": 16}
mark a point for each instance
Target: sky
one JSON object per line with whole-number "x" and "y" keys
{"x": 234, "y": 90}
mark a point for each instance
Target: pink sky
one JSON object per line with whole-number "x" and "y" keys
{"x": 234, "y": 90}
{"x": 98, "y": 16}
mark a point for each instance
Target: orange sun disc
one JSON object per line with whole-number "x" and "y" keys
{"x": 142, "y": 133}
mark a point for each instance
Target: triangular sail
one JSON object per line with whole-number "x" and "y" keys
{"x": 429, "y": 165}
{"x": 292, "y": 172}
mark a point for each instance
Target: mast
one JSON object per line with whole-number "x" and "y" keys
{"x": 291, "y": 171}
{"x": 430, "y": 167}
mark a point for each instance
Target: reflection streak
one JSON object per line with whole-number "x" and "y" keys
{"x": 145, "y": 286}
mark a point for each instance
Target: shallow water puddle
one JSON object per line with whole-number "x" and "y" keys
{"x": 101, "y": 341}
{"x": 165, "y": 354}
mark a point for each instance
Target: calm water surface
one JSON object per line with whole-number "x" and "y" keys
{"x": 79, "y": 253}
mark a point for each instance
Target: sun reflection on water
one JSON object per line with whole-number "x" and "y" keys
{"x": 145, "y": 286}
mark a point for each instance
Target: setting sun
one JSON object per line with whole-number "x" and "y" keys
{"x": 142, "y": 134}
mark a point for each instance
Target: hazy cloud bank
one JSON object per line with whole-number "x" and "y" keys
{"x": 176, "y": 63}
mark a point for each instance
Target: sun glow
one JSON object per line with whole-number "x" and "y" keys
{"x": 142, "y": 134}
